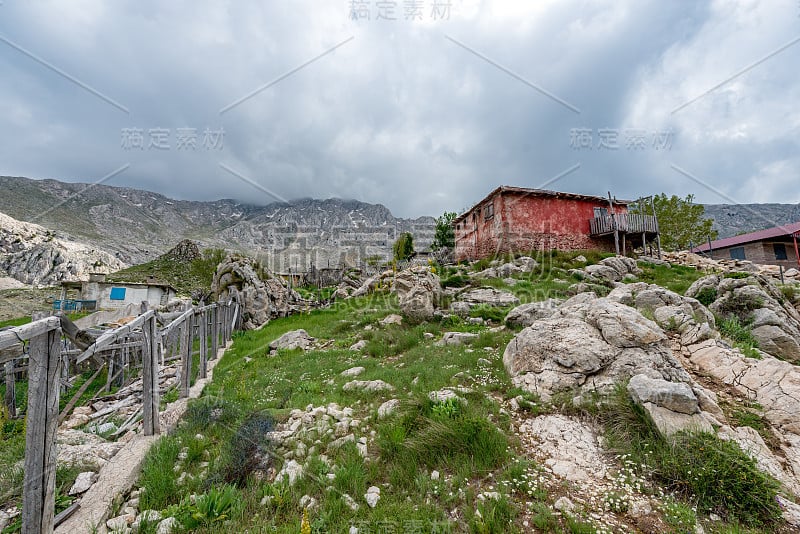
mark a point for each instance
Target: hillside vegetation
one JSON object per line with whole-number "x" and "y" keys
{"x": 184, "y": 267}
{"x": 389, "y": 430}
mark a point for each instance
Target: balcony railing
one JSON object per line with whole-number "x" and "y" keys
{"x": 625, "y": 222}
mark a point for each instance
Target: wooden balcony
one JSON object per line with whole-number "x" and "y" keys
{"x": 626, "y": 223}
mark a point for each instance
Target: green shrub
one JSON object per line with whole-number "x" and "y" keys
{"x": 455, "y": 280}
{"x": 446, "y": 409}
{"x": 715, "y": 474}
{"x": 740, "y": 306}
{"x": 489, "y": 313}
{"x": 215, "y": 506}
{"x": 707, "y": 295}
{"x": 496, "y": 516}
{"x": 737, "y": 275}
{"x": 789, "y": 292}
{"x": 740, "y": 333}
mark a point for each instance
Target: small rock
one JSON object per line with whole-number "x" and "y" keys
{"x": 120, "y": 522}
{"x": 392, "y": 319}
{"x": 359, "y": 345}
{"x": 105, "y": 428}
{"x": 640, "y": 509}
{"x": 167, "y": 526}
{"x": 350, "y": 502}
{"x": 307, "y": 501}
{"x": 353, "y": 371}
{"x": 434, "y": 475}
{"x": 388, "y": 407}
{"x": 82, "y": 483}
{"x": 564, "y": 504}
{"x": 147, "y": 516}
{"x": 370, "y": 386}
{"x": 372, "y": 496}
{"x": 291, "y": 471}
{"x": 294, "y": 339}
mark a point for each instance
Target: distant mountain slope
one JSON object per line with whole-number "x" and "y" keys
{"x": 35, "y": 255}
{"x": 138, "y": 225}
{"x": 735, "y": 219}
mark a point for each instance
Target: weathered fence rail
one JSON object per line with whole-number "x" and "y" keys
{"x": 137, "y": 344}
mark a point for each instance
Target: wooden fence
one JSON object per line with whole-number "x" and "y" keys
{"x": 47, "y": 359}
{"x": 630, "y": 223}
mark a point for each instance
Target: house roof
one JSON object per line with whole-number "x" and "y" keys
{"x": 539, "y": 193}
{"x": 769, "y": 233}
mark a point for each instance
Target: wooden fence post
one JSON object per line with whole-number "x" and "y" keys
{"x": 203, "y": 320}
{"x": 150, "y": 354}
{"x": 214, "y": 331}
{"x": 186, "y": 356}
{"x": 44, "y": 362}
{"x": 11, "y": 392}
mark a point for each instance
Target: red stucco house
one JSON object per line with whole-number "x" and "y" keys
{"x": 518, "y": 219}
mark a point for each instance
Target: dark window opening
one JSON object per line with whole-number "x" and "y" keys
{"x": 600, "y": 212}
{"x": 737, "y": 253}
{"x": 780, "y": 251}
{"x": 488, "y": 211}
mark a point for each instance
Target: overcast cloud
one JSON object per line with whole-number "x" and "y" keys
{"x": 423, "y": 115}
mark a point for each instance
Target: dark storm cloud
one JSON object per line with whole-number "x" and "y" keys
{"x": 423, "y": 116}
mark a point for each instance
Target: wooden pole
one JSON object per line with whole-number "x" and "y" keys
{"x": 11, "y": 393}
{"x": 214, "y": 331}
{"x": 40, "y": 433}
{"x": 658, "y": 233}
{"x": 150, "y": 401}
{"x": 710, "y": 250}
{"x": 796, "y": 250}
{"x": 203, "y": 320}
{"x": 613, "y": 223}
{"x": 186, "y": 357}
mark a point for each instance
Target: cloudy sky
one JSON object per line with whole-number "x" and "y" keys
{"x": 415, "y": 104}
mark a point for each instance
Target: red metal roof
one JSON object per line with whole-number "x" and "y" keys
{"x": 778, "y": 231}
{"x": 540, "y": 193}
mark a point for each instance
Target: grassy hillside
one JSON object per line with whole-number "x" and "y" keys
{"x": 441, "y": 465}
{"x": 185, "y": 275}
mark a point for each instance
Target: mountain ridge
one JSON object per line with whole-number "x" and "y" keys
{"x": 300, "y": 233}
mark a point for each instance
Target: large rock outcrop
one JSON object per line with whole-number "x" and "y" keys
{"x": 418, "y": 291}
{"x": 261, "y": 299}
{"x": 589, "y": 344}
{"x": 757, "y": 301}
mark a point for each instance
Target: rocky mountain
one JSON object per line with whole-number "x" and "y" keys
{"x": 136, "y": 225}
{"x": 32, "y": 254}
{"x": 735, "y": 219}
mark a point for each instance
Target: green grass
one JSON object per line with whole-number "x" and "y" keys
{"x": 676, "y": 278}
{"x": 19, "y": 321}
{"x": 715, "y": 475}
{"x": 186, "y": 278}
{"x": 740, "y": 333}
{"x": 458, "y": 439}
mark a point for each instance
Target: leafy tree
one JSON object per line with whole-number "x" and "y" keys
{"x": 444, "y": 236}
{"x": 680, "y": 221}
{"x": 403, "y": 248}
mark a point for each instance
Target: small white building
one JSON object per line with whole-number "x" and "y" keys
{"x": 98, "y": 294}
